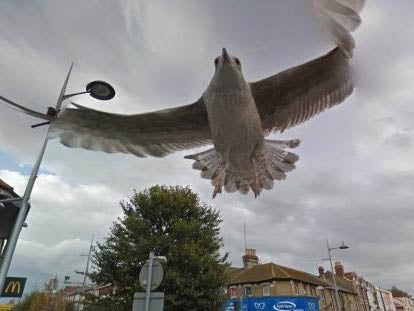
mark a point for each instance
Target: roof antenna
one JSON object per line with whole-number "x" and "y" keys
{"x": 245, "y": 243}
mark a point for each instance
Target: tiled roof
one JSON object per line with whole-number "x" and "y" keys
{"x": 70, "y": 289}
{"x": 270, "y": 271}
{"x": 342, "y": 283}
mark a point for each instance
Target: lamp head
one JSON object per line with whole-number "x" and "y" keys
{"x": 343, "y": 246}
{"x": 100, "y": 90}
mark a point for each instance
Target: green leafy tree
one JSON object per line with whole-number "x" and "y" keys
{"x": 43, "y": 301}
{"x": 172, "y": 222}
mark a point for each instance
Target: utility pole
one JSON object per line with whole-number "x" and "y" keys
{"x": 86, "y": 272}
{"x": 245, "y": 241}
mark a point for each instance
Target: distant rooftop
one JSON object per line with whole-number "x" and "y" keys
{"x": 270, "y": 271}
{"x": 253, "y": 272}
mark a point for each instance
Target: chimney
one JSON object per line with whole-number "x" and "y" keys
{"x": 250, "y": 259}
{"x": 321, "y": 272}
{"x": 339, "y": 269}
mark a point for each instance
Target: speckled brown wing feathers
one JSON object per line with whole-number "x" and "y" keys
{"x": 156, "y": 133}
{"x": 297, "y": 94}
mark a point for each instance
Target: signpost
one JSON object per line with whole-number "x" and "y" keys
{"x": 156, "y": 275}
{"x": 150, "y": 278}
{"x": 13, "y": 287}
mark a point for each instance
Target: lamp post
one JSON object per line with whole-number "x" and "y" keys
{"x": 330, "y": 249}
{"x": 86, "y": 273}
{"x": 97, "y": 89}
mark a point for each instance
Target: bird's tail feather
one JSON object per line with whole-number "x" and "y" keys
{"x": 271, "y": 162}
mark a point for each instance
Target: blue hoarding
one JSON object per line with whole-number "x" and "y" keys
{"x": 273, "y": 303}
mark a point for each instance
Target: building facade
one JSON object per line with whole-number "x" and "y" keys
{"x": 270, "y": 279}
{"x": 8, "y": 213}
{"x": 75, "y": 294}
{"x": 404, "y": 303}
{"x": 371, "y": 298}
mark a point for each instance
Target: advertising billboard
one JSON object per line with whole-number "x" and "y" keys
{"x": 273, "y": 303}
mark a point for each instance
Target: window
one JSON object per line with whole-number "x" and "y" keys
{"x": 248, "y": 290}
{"x": 295, "y": 288}
{"x": 266, "y": 289}
{"x": 233, "y": 292}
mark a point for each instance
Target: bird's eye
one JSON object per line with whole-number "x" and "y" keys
{"x": 237, "y": 61}
{"x": 216, "y": 61}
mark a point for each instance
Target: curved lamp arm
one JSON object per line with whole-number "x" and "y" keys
{"x": 27, "y": 110}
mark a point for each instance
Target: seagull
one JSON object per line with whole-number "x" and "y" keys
{"x": 232, "y": 114}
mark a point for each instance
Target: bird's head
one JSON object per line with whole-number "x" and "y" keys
{"x": 228, "y": 70}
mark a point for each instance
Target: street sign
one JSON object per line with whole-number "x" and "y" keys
{"x": 156, "y": 302}
{"x": 13, "y": 287}
{"x": 157, "y": 275}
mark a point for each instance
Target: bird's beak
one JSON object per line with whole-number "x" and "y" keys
{"x": 225, "y": 56}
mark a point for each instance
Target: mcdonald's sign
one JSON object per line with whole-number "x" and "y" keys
{"x": 13, "y": 287}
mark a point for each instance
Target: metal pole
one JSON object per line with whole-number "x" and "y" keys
{"x": 24, "y": 207}
{"x": 26, "y": 110}
{"x": 87, "y": 263}
{"x": 62, "y": 91}
{"x": 245, "y": 242}
{"x": 149, "y": 281}
{"x": 86, "y": 271}
{"x": 337, "y": 307}
{"x": 21, "y": 216}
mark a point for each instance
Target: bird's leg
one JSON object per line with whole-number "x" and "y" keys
{"x": 255, "y": 185}
{"x": 219, "y": 175}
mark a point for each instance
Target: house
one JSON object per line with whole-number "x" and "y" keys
{"x": 385, "y": 300}
{"x": 348, "y": 297}
{"x": 370, "y": 297}
{"x": 270, "y": 279}
{"x": 407, "y": 303}
{"x": 75, "y": 294}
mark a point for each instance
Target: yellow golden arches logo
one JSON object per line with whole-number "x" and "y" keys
{"x": 13, "y": 287}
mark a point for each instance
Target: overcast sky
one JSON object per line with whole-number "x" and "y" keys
{"x": 355, "y": 176}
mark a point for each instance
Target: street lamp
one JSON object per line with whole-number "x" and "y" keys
{"x": 98, "y": 89}
{"x": 330, "y": 249}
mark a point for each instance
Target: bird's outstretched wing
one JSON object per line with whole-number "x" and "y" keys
{"x": 297, "y": 94}
{"x": 156, "y": 133}
{"x": 340, "y": 18}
